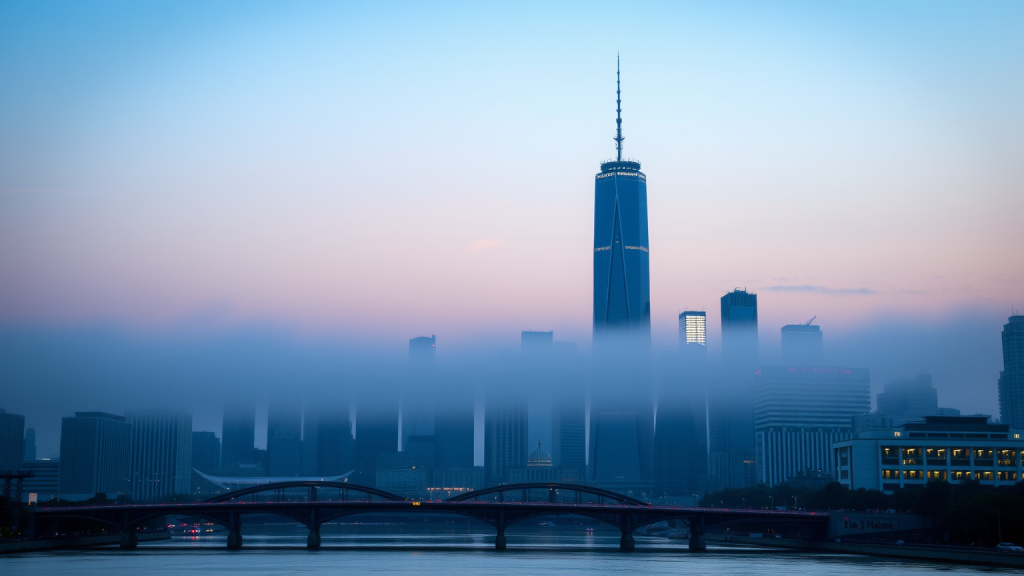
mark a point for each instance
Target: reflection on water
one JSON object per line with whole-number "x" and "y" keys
{"x": 463, "y": 549}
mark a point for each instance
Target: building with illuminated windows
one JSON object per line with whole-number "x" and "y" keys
{"x": 950, "y": 448}
{"x": 693, "y": 328}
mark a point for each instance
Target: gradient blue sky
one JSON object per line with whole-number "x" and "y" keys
{"x": 383, "y": 170}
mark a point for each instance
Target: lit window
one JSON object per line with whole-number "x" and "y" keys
{"x": 896, "y": 434}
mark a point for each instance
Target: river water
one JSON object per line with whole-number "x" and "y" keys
{"x": 401, "y": 550}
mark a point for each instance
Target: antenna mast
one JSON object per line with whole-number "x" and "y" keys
{"x": 618, "y": 112}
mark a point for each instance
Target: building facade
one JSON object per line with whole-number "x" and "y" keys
{"x": 205, "y": 451}
{"x": 95, "y": 454}
{"x": 12, "y": 440}
{"x": 948, "y": 448}
{"x": 28, "y": 454}
{"x": 46, "y": 482}
{"x": 284, "y": 437}
{"x": 799, "y": 412}
{"x": 1011, "y": 379}
{"x": 161, "y": 454}
{"x": 802, "y": 344}
{"x": 238, "y": 433}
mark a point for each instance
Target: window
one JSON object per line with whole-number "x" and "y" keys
{"x": 983, "y": 456}
{"x": 888, "y": 474}
{"x": 935, "y": 456}
{"x": 845, "y": 475}
{"x": 1007, "y": 476}
{"x": 913, "y": 475}
{"x": 936, "y": 474}
{"x": 984, "y": 475}
{"x": 960, "y": 475}
{"x": 890, "y": 455}
{"x": 912, "y": 456}
{"x": 961, "y": 457}
{"x": 1007, "y": 457}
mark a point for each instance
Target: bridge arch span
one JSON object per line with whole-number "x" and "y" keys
{"x": 235, "y": 494}
{"x": 552, "y": 488}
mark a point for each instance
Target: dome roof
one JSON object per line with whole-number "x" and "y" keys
{"x": 539, "y": 457}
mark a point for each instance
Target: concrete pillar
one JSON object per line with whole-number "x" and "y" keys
{"x": 129, "y": 539}
{"x": 627, "y": 543}
{"x": 235, "y": 532}
{"x": 499, "y": 541}
{"x": 313, "y": 540}
{"x": 697, "y": 543}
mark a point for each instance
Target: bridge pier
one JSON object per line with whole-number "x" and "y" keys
{"x": 499, "y": 540}
{"x": 697, "y": 542}
{"x": 313, "y": 540}
{"x": 129, "y": 539}
{"x": 235, "y": 532}
{"x": 627, "y": 542}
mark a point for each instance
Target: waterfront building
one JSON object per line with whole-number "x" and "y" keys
{"x": 376, "y": 431}
{"x": 452, "y": 482}
{"x": 802, "y": 344}
{"x": 541, "y": 469}
{"x": 800, "y": 412}
{"x": 46, "y": 482}
{"x": 28, "y": 454}
{"x": 161, "y": 454}
{"x": 569, "y": 431}
{"x": 205, "y": 451}
{"x": 95, "y": 454}
{"x": 397, "y": 472}
{"x": 12, "y": 440}
{"x": 238, "y": 432}
{"x": 418, "y": 402}
{"x": 453, "y": 432}
{"x": 1011, "y": 379}
{"x": 506, "y": 424}
{"x": 284, "y": 437}
{"x": 947, "y": 448}
{"x": 732, "y": 460}
{"x": 334, "y": 440}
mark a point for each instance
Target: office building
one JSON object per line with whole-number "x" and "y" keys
{"x": 802, "y": 344}
{"x": 622, "y": 284}
{"x": 284, "y": 437}
{"x": 397, "y": 472}
{"x": 693, "y": 329}
{"x": 946, "y": 448}
{"x": 417, "y": 407}
{"x": 12, "y": 440}
{"x": 799, "y": 412}
{"x": 680, "y": 439}
{"x": 376, "y": 431}
{"x": 505, "y": 434}
{"x": 423, "y": 350}
{"x": 310, "y": 440}
{"x": 334, "y": 440}
{"x": 1011, "y": 379}
{"x": 205, "y": 451}
{"x": 161, "y": 454}
{"x": 238, "y": 433}
{"x": 46, "y": 482}
{"x": 453, "y": 432}
{"x": 537, "y": 346}
{"x": 95, "y": 454}
{"x": 569, "y": 431}
{"x": 730, "y": 400}
{"x": 28, "y": 454}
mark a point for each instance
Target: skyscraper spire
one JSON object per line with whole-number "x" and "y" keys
{"x": 618, "y": 112}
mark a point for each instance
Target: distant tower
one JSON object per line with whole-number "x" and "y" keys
{"x": 422, "y": 350}
{"x": 95, "y": 454}
{"x": 29, "y": 454}
{"x": 205, "y": 451}
{"x": 161, "y": 453}
{"x": 238, "y": 433}
{"x": 1011, "y": 379}
{"x": 12, "y": 440}
{"x": 284, "y": 436}
{"x": 730, "y": 404}
{"x": 802, "y": 344}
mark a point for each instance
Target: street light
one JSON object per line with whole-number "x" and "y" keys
{"x": 999, "y": 522}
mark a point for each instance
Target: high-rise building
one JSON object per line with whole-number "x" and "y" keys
{"x": 284, "y": 437}
{"x": 46, "y": 482}
{"x": 453, "y": 432}
{"x": 29, "y": 452}
{"x": 680, "y": 438}
{"x": 376, "y": 431}
{"x": 12, "y": 440}
{"x": 1011, "y": 379}
{"x": 310, "y": 440}
{"x": 622, "y": 407}
{"x": 569, "y": 431}
{"x": 238, "y": 433}
{"x": 730, "y": 401}
{"x": 802, "y": 344}
{"x": 161, "y": 454}
{"x": 622, "y": 280}
{"x": 799, "y": 411}
{"x": 334, "y": 440}
{"x": 915, "y": 397}
{"x": 537, "y": 346}
{"x": 422, "y": 350}
{"x": 95, "y": 454}
{"x": 506, "y": 424}
{"x": 205, "y": 451}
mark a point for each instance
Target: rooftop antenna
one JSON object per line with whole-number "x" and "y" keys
{"x": 618, "y": 112}
{"x": 808, "y": 323}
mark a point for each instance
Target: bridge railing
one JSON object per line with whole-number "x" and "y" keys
{"x": 548, "y": 493}
{"x": 307, "y": 491}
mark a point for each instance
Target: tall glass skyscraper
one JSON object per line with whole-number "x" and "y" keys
{"x": 622, "y": 410}
{"x": 622, "y": 278}
{"x": 1011, "y": 379}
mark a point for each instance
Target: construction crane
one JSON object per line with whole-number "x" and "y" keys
{"x": 808, "y": 323}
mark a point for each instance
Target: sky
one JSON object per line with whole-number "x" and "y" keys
{"x": 198, "y": 176}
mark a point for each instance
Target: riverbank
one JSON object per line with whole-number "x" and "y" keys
{"x": 975, "y": 557}
{"x": 71, "y": 543}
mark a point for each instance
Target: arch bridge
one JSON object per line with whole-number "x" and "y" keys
{"x": 313, "y": 503}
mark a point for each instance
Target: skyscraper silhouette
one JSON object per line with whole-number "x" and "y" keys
{"x": 1011, "y": 379}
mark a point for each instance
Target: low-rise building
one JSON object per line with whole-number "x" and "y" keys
{"x": 951, "y": 448}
